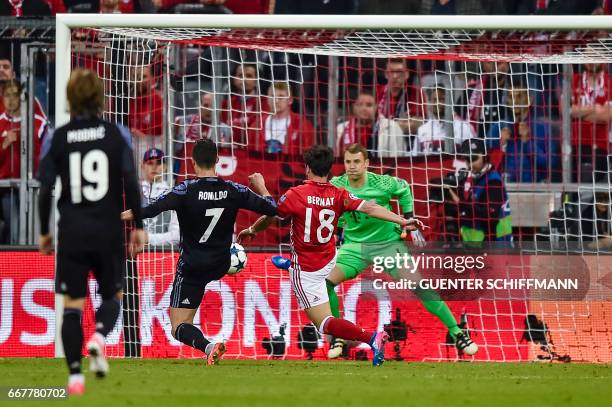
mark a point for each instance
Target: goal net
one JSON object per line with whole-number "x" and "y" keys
{"x": 412, "y": 92}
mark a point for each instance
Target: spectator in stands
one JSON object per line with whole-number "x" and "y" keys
{"x": 382, "y": 137}
{"x": 100, "y": 6}
{"x": 10, "y": 156}
{"x": 145, "y": 117}
{"x": 482, "y": 205}
{"x": 7, "y": 73}
{"x": 6, "y": 70}
{"x": 316, "y": 6}
{"x": 110, "y": 6}
{"x": 463, "y": 7}
{"x": 525, "y": 7}
{"x": 596, "y": 222}
{"x": 197, "y": 126}
{"x": 10, "y": 130}
{"x": 25, "y": 8}
{"x": 129, "y": 6}
{"x": 444, "y": 125}
{"x": 250, "y": 7}
{"x": 399, "y": 100}
{"x": 194, "y": 127}
{"x": 165, "y": 6}
{"x": 530, "y": 153}
{"x": 526, "y": 157}
{"x": 404, "y": 7}
{"x": 162, "y": 230}
{"x": 235, "y": 6}
{"x": 591, "y": 113}
{"x": 284, "y": 131}
{"x": 488, "y": 100}
{"x": 556, "y": 7}
{"x": 242, "y": 110}
{"x": 9, "y": 168}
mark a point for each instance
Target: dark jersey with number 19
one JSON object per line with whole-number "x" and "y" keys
{"x": 94, "y": 161}
{"x": 206, "y": 209}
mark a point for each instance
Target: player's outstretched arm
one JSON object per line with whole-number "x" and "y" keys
{"x": 258, "y": 184}
{"x": 374, "y": 210}
{"x": 45, "y": 243}
{"x": 283, "y": 210}
{"x": 137, "y": 241}
{"x": 401, "y": 190}
{"x": 172, "y": 236}
{"x": 257, "y": 199}
{"x": 167, "y": 202}
{"x": 260, "y": 224}
{"x": 130, "y": 184}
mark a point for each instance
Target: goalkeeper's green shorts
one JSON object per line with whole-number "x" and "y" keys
{"x": 353, "y": 258}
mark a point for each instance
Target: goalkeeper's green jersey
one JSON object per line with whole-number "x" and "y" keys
{"x": 359, "y": 227}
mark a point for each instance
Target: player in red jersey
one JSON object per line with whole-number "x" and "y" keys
{"x": 314, "y": 209}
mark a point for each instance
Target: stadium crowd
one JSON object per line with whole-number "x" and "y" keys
{"x": 443, "y": 7}
{"x": 398, "y": 109}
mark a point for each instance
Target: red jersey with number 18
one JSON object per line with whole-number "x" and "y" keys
{"x": 314, "y": 209}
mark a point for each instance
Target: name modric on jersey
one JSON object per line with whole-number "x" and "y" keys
{"x": 87, "y": 134}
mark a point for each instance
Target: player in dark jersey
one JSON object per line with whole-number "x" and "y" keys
{"x": 93, "y": 159}
{"x": 206, "y": 208}
{"x": 314, "y": 209}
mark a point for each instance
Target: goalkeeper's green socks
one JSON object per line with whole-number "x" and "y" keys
{"x": 432, "y": 302}
{"x": 333, "y": 299}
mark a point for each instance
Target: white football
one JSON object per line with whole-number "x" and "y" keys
{"x": 238, "y": 259}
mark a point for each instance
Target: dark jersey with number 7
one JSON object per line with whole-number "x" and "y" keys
{"x": 94, "y": 161}
{"x": 206, "y": 209}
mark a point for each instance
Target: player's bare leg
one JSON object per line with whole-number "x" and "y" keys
{"x": 334, "y": 278}
{"x": 106, "y": 318}
{"x": 184, "y": 331}
{"x": 318, "y": 313}
{"x": 321, "y": 316}
{"x": 72, "y": 340}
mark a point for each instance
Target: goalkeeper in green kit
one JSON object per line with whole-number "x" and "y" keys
{"x": 360, "y": 231}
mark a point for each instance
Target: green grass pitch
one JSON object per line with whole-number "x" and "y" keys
{"x": 187, "y": 383}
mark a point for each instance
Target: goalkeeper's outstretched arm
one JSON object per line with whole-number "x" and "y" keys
{"x": 401, "y": 190}
{"x": 374, "y": 210}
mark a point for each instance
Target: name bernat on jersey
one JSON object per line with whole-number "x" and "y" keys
{"x": 212, "y": 195}
{"x": 317, "y": 200}
{"x": 90, "y": 134}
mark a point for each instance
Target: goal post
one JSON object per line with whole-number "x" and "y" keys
{"x": 329, "y": 67}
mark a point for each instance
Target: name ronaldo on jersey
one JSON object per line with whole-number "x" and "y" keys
{"x": 212, "y": 195}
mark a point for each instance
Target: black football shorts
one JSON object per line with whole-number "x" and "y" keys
{"x": 73, "y": 267}
{"x": 189, "y": 285}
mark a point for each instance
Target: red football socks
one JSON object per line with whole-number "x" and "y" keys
{"x": 341, "y": 328}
